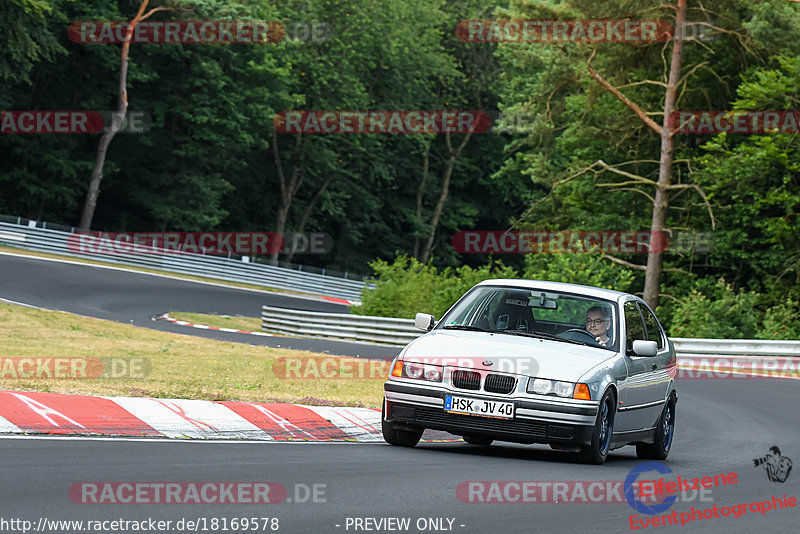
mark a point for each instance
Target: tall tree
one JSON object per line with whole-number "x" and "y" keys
{"x": 116, "y": 123}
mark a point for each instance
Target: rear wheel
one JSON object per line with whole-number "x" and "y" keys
{"x": 392, "y": 436}
{"x": 477, "y": 440}
{"x": 665, "y": 430}
{"x": 597, "y": 451}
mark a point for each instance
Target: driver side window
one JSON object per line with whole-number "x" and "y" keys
{"x": 633, "y": 325}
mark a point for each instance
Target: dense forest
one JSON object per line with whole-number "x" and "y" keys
{"x": 578, "y": 142}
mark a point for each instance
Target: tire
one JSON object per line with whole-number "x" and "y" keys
{"x": 664, "y": 434}
{"x": 477, "y": 440}
{"x": 597, "y": 451}
{"x": 401, "y": 438}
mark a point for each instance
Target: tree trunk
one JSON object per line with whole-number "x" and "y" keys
{"x": 288, "y": 190}
{"x": 437, "y": 211}
{"x": 307, "y": 213}
{"x": 655, "y": 260}
{"x": 426, "y": 162}
{"x": 122, "y": 109}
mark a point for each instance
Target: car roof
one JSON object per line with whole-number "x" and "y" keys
{"x": 589, "y": 291}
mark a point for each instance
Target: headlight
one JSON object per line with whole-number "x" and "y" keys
{"x": 422, "y": 371}
{"x": 542, "y": 386}
{"x": 564, "y": 389}
{"x": 414, "y": 370}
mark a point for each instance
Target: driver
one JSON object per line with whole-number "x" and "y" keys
{"x": 598, "y": 323}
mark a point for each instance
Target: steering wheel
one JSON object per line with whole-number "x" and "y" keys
{"x": 581, "y": 331}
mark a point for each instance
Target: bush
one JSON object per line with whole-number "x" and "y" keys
{"x": 586, "y": 269}
{"x": 717, "y": 312}
{"x": 781, "y": 321}
{"x": 406, "y": 287}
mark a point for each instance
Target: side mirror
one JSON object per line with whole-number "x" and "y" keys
{"x": 425, "y": 321}
{"x": 645, "y": 348}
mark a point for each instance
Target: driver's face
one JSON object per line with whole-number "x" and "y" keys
{"x": 596, "y": 323}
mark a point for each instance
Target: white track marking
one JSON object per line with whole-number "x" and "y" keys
{"x": 178, "y": 418}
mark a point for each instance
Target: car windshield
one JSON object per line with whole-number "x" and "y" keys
{"x": 541, "y": 313}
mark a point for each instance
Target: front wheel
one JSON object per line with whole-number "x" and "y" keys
{"x": 597, "y": 451}
{"x": 665, "y": 430}
{"x": 392, "y": 436}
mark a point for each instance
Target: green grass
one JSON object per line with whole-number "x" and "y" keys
{"x": 181, "y": 366}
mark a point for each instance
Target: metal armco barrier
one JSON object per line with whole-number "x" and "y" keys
{"x": 383, "y": 330}
{"x": 399, "y": 332}
{"x": 735, "y": 347}
{"x": 220, "y": 268}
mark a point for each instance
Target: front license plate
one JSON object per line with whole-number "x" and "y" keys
{"x": 483, "y": 408}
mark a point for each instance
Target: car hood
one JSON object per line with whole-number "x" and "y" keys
{"x": 521, "y": 355}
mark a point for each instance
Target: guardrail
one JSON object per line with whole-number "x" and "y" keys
{"x": 399, "y": 332}
{"x": 227, "y": 269}
{"x": 735, "y": 347}
{"x": 382, "y": 330}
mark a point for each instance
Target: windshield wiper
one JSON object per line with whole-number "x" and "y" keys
{"x": 541, "y": 335}
{"x": 463, "y": 327}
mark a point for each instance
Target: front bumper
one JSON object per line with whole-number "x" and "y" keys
{"x": 535, "y": 421}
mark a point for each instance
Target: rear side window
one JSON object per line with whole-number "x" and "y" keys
{"x": 633, "y": 324}
{"x": 652, "y": 328}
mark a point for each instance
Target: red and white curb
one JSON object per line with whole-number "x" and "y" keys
{"x": 56, "y": 413}
{"x": 166, "y": 317}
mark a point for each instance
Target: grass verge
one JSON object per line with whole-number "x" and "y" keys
{"x": 180, "y": 366}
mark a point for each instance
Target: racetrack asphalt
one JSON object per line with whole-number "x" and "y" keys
{"x": 133, "y": 297}
{"x": 722, "y": 425}
{"x": 720, "y": 429}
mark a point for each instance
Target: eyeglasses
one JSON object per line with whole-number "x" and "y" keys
{"x": 595, "y": 322}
